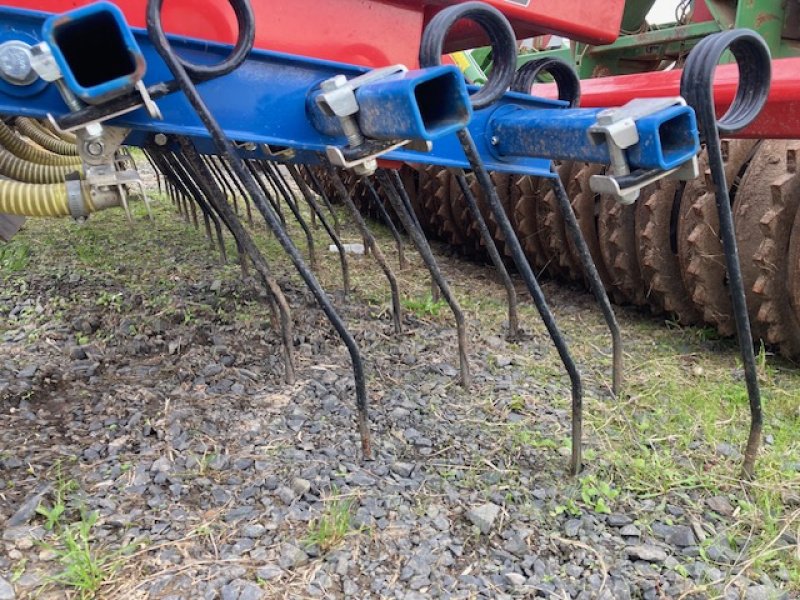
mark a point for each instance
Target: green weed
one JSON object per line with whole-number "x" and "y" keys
{"x": 332, "y": 526}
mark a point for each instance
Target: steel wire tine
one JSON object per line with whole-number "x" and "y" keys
{"x": 268, "y": 192}
{"x": 308, "y": 194}
{"x": 401, "y": 189}
{"x": 184, "y": 172}
{"x": 175, "y": 187}
{"x": 754, "y": 62}
{"x": 222, "y": 183}
{"x": 418, "y": 237}
{"x": 398, "y": 239}
{"x": 156, "y": 170}
{"x": 223, "y": 164}
{"x": 494, "y": 255}
{"x": 205, "y": 181}
{"x": 318, "y": 187}
{"x": 225, "y": 147}
{"x": 595, "y": 282}
{"x": 535, "y": 290}
{"x": 279, "y": 182}
{"x": 196, "y": 197}
{"x": 369, "y": 241}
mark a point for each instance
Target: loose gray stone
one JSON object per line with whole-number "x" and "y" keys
{"x": 27, "y": 509}
{"x": 681, "y": 536}
{"x": 6, "y": 590}
{"x": 572, "y": 527}
{"x": 484, "y": 516}
{"x": 763, "y": 592}
{"x": 515, "y": 579}
{"x": 269, "y": 572}
{"x": 647, "y": 553}
{"x": 619, "y": 520}
{"x": 402, "y": 469}
{"x": 300, "y": 486}
{"x": 630, "y": 530}
{"x": 291, "y": 556}
{"x": 720, "y": 505}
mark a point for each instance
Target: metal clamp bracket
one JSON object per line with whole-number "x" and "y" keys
{"x": 617, "y": 128}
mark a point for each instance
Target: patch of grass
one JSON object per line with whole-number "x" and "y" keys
{"x": 14, "y": 257}
{"x": 333, "y": 525}
{"x": 424, "y": 307}
{"x": 85, "y": 567}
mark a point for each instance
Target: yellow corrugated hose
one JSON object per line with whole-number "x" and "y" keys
{"x": 37, "y": 200}
{"x": 26, "y": 151}
{"x": 45, "y": 140}
{"x": 14, "y": 167}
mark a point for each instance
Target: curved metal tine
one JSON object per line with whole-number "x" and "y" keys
{"x": 535, "y": 290}
{"x": 401, "y": 189}
{"x": 279, "y": 183}
{"x": 398, "y": 239}
{"x": 235, "y": 181}
{"x": 595, "y": 283}
{"x": 205, "y": 180}
{"x": 221, "y": 181}
{"x": 183, "y": 174}
{"x": 308, "y": 194}
{"x": 491, "y": 248}
{"x": 315, "y": 182}
{"x": 341, "y": 190}
{"x": 424, "y": 249}
{"x": 226, "y": 148}
{"x": 171, "y": 177}
{"x": 156, "y": 171}
{"x": 269, "y": 194}
{"x": 191, "y": 194}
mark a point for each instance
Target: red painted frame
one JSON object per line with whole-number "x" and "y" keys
{"x": 780, "y": 118}
{"x": 366, "y": 32}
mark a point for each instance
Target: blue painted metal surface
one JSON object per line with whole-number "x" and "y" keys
{"x": 667, "y": 139}
{"x": 265, "y": 102}
{"x": 423, "y": 104}
{"x": 115, "y": 61}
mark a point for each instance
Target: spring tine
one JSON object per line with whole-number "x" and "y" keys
{"x": 595, "y": 283}
{"x": 202, "y": 198}
{"x": 401, "y": 189}
{"x": 398, "y": 239}
{"x": 341, "y": 190}
{"x": 226, "y": 186}
{"x": 535, "y": 290}
{"x": 410, "y": 225}
{"x": 225, "y": 146}
{"x": 315, "y": 183}
{"x": 220, "y": 181}
{"x": 223, "y": 164}
{"x": 205, "y": 181}
{"x": 186, "y": 189}
{"x": 279, "y": 182}
{"x": 308, "y": 194}
{"x": 183, "y": 174}
{"x": 155, "y": 170}
{"x": 268, "y": 192}
{"x": 491, "y": 248}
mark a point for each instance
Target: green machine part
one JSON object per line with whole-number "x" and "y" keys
{"x": 643, "y": 47}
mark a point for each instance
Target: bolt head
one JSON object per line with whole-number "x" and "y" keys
{"x": 15, "y": 63}
{"x": 95, "y": 148}
{"x": 368, "y": 167}
{"x": 495, "y": 140}
{"x": 160, "y": 139}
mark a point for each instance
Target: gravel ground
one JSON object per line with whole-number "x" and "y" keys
{"x": 141, "y": 392}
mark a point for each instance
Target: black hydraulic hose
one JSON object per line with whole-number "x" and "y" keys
{"x": 226, "y": 148}
{"x": 501, "y": 36}
{"x": 697, "y": 86}
{"x": 563, "y": 73}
